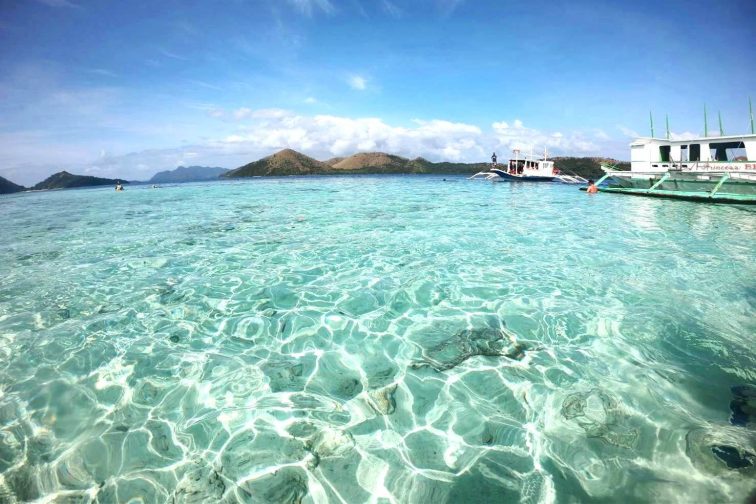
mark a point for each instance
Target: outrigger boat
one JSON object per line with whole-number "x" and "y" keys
{"x": 709, "y": 168}
{"x": 526, "y": 169}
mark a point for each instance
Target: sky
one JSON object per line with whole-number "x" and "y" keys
{"x": 127, "y": 89}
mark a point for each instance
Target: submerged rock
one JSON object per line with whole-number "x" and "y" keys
{"x": 743, "y": 406}
{"x": 201, "y": 483}
{"x": 599, "y": 415}
{"x": 733, "y": 457}
{"x": 382, "y": 400}
{"x": 331, "y": 443}
{"x": 284, "y": 486}
{"x": 722, "y": 449}
{"x": 488, "y": 342}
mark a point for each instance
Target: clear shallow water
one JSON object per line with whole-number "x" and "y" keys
{"x": 382, "y": 339}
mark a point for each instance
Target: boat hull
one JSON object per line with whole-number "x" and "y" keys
{"x": 504, "y": 176}
{"x": 687, "y": 183}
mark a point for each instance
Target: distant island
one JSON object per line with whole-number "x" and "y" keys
{"x": 187, "y": 174}
{"x": 8, "y": 187}
{"x": 65, "y": 180}
{"x": 290, "y": 162}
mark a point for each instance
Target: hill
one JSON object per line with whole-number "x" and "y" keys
{"x": 187, "y": 174}
{"x": 285, "y": 162}
{"x": 7, "y": 187}
{"x": 65, "y": 180}
{"x": 290, "y": 162}
{"x": 372, "y": 162}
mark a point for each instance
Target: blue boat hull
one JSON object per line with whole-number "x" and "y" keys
{"x": 520, "y": 178}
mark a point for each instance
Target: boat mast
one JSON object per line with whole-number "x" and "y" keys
{"x": 750, "y": 111}
{"x": 666, "y": 118}
{"x": 721, "y": 131}
{"x": 651, "y": 117}
{"x": 706, "y": 123}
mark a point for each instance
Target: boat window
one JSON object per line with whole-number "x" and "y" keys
{"x": 664, "y": 153}
{"x": 695, "y": 152}
{"x": 728, "y": 151}
{"x": 683, "y": 153}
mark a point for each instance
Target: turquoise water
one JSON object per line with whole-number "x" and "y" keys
{"x": 375, "y": 339}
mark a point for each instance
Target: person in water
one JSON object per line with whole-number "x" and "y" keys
{"x": 119, "y": 187}
{"x": 591, "y": 187}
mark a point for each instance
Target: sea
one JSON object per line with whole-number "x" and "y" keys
{"x": 382, "y": 339}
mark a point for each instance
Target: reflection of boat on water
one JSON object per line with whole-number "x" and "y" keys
{"x": 709, "y": 168}
{"x": 526, "y": 169}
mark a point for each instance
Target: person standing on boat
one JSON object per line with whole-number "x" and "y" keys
{"x": 493, "y": 159}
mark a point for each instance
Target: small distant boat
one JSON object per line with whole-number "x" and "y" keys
{"x": 527, "y": 168}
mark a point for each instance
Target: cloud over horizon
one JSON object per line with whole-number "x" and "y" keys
{"x": 262, "y": 132}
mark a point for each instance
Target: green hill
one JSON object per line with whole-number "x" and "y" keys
{"x": 285, "y": 162}
{"x": 65, "y": 180}
{"x": 7, "y": 187}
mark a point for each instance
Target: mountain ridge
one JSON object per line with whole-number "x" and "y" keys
{"x": 188, "y": 174}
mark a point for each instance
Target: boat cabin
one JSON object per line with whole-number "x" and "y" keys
{"x": 699, "y": 154}
{"x": 530, "y": 166}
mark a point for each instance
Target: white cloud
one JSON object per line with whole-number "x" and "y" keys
{"x": 628, "y": 132}
{"x": 311, "y": 100}
{"x": 687, "y": 135}
{"x": 357, "y": 82}
{"x": 517, "y": 136}
{"x": 262, "y": 132}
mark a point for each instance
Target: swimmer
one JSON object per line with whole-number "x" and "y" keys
{"x": 591, "y": 187}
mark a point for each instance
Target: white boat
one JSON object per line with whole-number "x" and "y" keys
{"x": 527, "y": 168}
{"x": 708, "y": 167}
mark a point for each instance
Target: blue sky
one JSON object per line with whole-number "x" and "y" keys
{"x": 126, "y": 89}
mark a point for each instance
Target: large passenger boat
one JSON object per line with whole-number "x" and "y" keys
{"x": 708, "y": 168}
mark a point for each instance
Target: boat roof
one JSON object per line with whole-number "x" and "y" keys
{"x": 703, "y": 139}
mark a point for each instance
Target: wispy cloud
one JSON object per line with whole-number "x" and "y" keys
{"x": 204, "y": 84}
{"x": 60, "y": 3}
{"x": 309, "y": 7}
{"x": 311, "y": 100}
{"x": 103, "y": 72}
{"x": 627, "y": 131}
{"x": 392, "y": 9}
{"x": 357, "y": 82}
{"x": 447, "y": 7}
{"x": 169, "y": 54}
